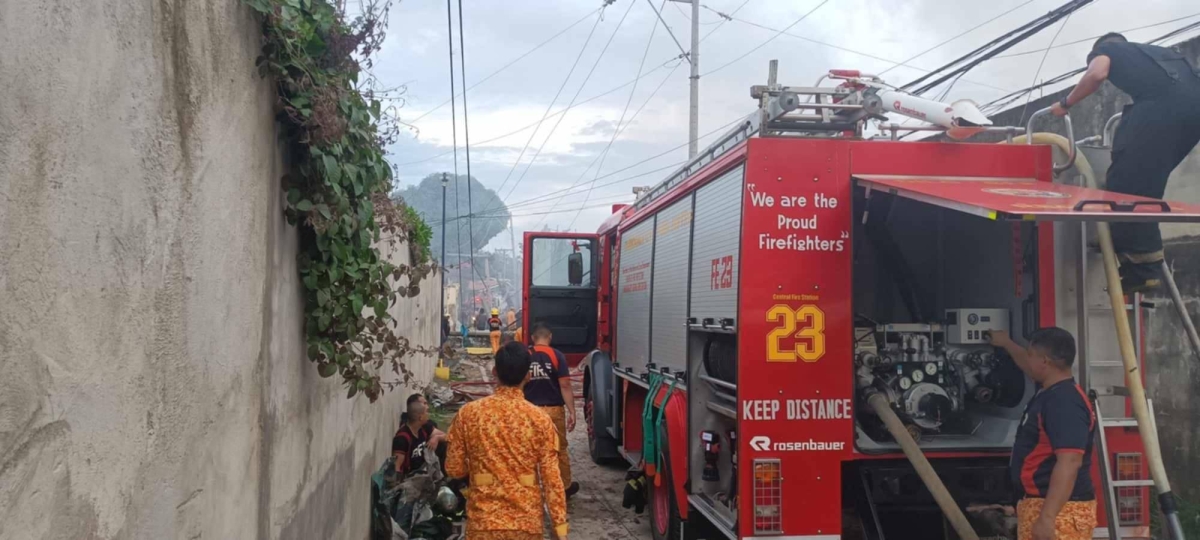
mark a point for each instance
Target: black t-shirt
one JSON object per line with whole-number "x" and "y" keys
{"x": 412, "y": 445}
{"x": 1058, "y": 418}
{"x": 547, "y": 367}
{"x": 1134, "y": 69}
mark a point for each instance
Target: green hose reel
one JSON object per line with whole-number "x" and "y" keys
{"x": 652, "y": 425}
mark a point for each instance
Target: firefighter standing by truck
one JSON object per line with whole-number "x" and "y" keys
{"x": 1156, "y": 133}
{"x": 1052, "y": 453}
{"x": 549, "y": 388}
{"x": 505, "y": 444}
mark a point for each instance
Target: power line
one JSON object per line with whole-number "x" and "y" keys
{"x": 462, "y": 60}
{"x": 558, "y": 122}
{"x": 725, "y": 18}
{"x": 1170, "y": 35}
{"x": 602, "y": 157}
{"x": 547, "y": 205}
{"x": 554, "y": 114}
{"x": 770, "y": 39}
{"x": 551, "y": 105}
{"x": 994, "y": 47}
{"x": 564, "y": 210}
{"x": 618, "y": 128}
{"x": 454, "y": 134}
{"x": 1003, "y": 101}
{"x": 703, "y": 38}
{"x": 669, "y": 31}
{"x": 1040, "y": 64}
{"x": 676, "y": 164}
{"x": 845, "y": 49}
{"x": 559, "y": 211}
{"x": 580, "y": 103}
{"x": 544, "y": 208}
{"x": 509, "y": 64}
{"x": 458, "y": 232}
{"x": 685, "y": 15}
{"x": 545, "y": 198}
{"x": 1097, "y": 36}
{"x": 453, "y": 107}
{"x": 972, "y": 29}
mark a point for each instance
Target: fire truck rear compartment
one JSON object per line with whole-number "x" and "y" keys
{"x": 916, "y": 267}
{"x": 713, "y": 427}
{"x": 887, "y": 495}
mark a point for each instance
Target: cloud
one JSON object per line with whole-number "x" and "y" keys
{"x": 598, "y": 128}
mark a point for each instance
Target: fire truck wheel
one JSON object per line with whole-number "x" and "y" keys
{"x": 601, "y": 446}
{"x": 665, "y": 523}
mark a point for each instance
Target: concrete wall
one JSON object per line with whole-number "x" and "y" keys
{"x": 153, "y": 382}
{"x": 1172, "y": 368}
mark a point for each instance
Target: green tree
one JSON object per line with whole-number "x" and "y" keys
{"x": 489, "y": 219}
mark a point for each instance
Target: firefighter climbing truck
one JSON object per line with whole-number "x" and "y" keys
{"x": 733, "y": 323}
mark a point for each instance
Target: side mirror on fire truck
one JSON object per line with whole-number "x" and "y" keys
{"x": 575, "y": 269}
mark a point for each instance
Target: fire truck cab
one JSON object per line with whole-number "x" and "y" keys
{"x": 734, "y": 319}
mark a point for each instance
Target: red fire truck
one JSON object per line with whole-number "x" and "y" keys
{"x": 734, "y": 320}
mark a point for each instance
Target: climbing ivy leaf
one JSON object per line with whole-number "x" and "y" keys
{"x": 335, "y": 130}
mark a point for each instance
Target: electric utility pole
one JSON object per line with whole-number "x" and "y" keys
{"x": 442, "y": 271}
{"x": 512, "y": 245}
{"x": 694, "y": 81}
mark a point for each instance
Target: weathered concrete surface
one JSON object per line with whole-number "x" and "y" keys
{"x": 1172, "y": 368}
{"x": 154, "y": 382}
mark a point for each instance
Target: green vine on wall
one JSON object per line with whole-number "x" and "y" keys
{"x": 335, "y": 128}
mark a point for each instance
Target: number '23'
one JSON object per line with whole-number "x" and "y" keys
{"x": 810, "y": 338}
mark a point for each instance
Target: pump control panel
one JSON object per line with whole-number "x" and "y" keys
{"x": 968, "y": 326}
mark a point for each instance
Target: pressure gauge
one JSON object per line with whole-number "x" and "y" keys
{"x": 905, "y": 383}
{"x": 918, "y": 376}
{"x": 930, "y": 369}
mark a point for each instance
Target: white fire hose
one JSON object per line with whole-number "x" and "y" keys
{"x": 912, "y": 451}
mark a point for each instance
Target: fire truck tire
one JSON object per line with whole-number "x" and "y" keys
{"x": 665, "y": 522}
{"x": 597, "y": 381}
{"x": 601, "y": 447}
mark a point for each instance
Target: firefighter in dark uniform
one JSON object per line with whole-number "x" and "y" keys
{"x": 1156, "y": 133}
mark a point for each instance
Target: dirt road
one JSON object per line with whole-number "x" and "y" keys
{"x": 595, "y": 512}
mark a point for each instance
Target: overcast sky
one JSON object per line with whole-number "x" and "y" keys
{"x": 497, "y": 32}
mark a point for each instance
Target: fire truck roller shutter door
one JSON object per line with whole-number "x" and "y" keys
{"x": 633, "y": 294}
{"x": 715, "y": 254}
{"x": 672, "y": 245}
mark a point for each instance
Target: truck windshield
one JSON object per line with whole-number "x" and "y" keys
{"x": 551, "y": 262}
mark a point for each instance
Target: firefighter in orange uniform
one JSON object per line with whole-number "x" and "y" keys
{"x": 494, "y": 325}
{"x": 505, "y": 444}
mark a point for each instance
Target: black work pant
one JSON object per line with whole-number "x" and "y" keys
{"x": 1153, "y": 138}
